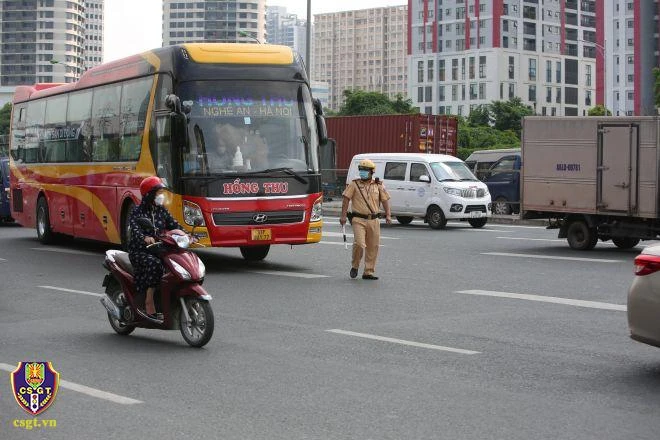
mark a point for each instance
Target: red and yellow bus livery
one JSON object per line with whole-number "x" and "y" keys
{"x": 231, "y": 128}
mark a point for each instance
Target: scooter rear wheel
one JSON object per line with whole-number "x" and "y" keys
{"x": 199, "y": 330}
{"x": 113, "y": 291}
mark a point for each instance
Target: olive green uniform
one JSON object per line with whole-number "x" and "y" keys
{"x": 366, "y": 232}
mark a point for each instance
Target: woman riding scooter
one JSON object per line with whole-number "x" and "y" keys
{"x": 149, "y": 268}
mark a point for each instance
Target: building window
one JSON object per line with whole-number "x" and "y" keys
{"x": 473, "y": 91}
{"x": 463, "y": 68}
{"x": 454, "y": 69}
{"x": 471, "y": 68}
{"x": 532, "y": 93}
{"x": 588, "y": 76}
{"x": 587, "y": 98}
{"x": 558, "y": 65}
{"x": 429, "y": 94}
{"x": 511, "y": 68}
{"x": 441, "y": 93}
{"x": 420, "y": 71}
{"x": 482, "y": 91}
{"x": 441, "y": 70}
{"x": 558, "y": 96}
{"x": 420, "y": 94}
{"x": 532, "y": 69}
{"x": 512, "y": 90}
{"x": 430, "y": 70}
{"x": 548, "y": 94}
{"x": 482, "y": 67}
{"x": 454, "y": 93}
{"x": 463, "y": 92}
{"x": 548, "y": 71}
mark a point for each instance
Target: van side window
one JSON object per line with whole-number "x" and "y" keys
{"x": 482, "y": 170}
{"x": 395, "y": 171}
{"x": 504, "y": 165}
{"x": 417, "y": 170}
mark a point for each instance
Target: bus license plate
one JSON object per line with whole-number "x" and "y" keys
{"x": 476, "y": 214}
{"x": 261, "y": 234}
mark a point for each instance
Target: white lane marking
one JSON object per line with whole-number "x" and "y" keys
{"x": 549, "y": 299}
{"x": 339, "y": 234}
{"x": 402, "y": 342}
{"x": 288, "y": 274}
{"x": 62, "y": 289}
{"x": 465, "y": 229}
{"x": 350, "y": 243}
{"x": 93, "y": 392}
{"x": 2, "y": 259}
{"x": 551, "y": 257}
{"x": 65, "y": 251}
{"x": 554, "y": 240}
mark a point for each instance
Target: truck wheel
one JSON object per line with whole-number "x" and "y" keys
{"x": 436, "y": 218}
{"x": 44, "y": 231}
{"x": 625, "y": 242}
{"x": 501, "y": 207}
{"x": 404, "y": 220}
{"x": 478, "y": 222}
{"x": 255, "y": 253}
{"x": 581, "y": 237}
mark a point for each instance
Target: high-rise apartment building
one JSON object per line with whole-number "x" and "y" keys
{"x": 286, "y": 29}
{"x": 221, "y": 21}
{"x": 470, "y": 52}
{"x": 363, "y": 49}
{"x": 631, "y": 44}
{"x": 93, "y": 33}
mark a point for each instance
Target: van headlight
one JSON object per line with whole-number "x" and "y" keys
{"x": 192, "y": 212}
{"x": 317, "y": 211}
{"x": 454, "y": 191}
{"x": 181, "y": 271}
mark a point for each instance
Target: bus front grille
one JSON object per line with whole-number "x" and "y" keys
{"x": 258, "y": 218}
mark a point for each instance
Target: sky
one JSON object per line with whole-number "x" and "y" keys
{"x": 134, "y": 26}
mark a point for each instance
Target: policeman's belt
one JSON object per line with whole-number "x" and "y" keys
{"x": 364, "y": 216}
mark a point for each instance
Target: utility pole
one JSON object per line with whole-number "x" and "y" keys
{"x": 308, "y": 48}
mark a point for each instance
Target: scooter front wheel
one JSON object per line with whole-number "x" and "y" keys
{"x": 198, "y": 331}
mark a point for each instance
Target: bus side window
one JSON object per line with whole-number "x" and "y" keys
{"x": 163, "y": 153}
{"x": 32, "y": 152}
{"x": 105, "y": 123}
{"x": 134, "y": 104}
{"x": 78, "y": 119}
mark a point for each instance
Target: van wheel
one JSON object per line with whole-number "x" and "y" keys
{"x": 404, "y": 220}
{"x": 45, "y": 233}
{"x": 477, "y": 222}
{"x": 580, "y": 236}
{"x": 436, "y": 218}
{"x": 501, "y": 207}
{"x": 625, "y": 242}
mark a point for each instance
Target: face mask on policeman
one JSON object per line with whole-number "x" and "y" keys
{"x": 365, "y": 174}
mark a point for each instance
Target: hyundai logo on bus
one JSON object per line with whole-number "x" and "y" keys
{"x": 260, "y": 218}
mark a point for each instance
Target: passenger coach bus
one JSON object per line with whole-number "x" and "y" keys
{"x": 231, "y": 128}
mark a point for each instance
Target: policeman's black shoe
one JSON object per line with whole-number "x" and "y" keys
{"x": 353, "y": 272}
{"x": 369, "y": 277}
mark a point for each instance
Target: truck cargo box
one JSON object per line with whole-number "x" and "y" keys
{"x": 601, "y": 171}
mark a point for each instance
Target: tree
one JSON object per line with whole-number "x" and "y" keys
{"x": 599, "y": 110}
{"x": 480, "y": 116}
{"x": 359, "y": 102}
{"x": 507, "y": 115}
{"x": 656, "y": 72}
{"x": 5, "y": 115}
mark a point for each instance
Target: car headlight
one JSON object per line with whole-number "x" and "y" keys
{"x": 454, "y": 191}
{"x": 202, "y": 268}
{"x": 184, "y": 273}
{"x": 317, "y": 211}
{"x": 183, "y": 241}
{"x": 191, "y": 213}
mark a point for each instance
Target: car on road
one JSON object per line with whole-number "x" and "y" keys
{"x": 644, "y": 298}
{"x": 500, "y": 171}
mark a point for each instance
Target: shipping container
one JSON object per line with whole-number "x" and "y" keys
{"x": 593, "y": 177}
{"x": 436, "y": 134}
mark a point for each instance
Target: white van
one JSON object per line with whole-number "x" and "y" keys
{"x": 434, "y": 187}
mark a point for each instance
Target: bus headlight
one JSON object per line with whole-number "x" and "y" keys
{"x": 192, "y": 212}
{"x": 317, "y": 211}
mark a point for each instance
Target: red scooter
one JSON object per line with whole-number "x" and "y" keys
{"x": 181, "y": 298}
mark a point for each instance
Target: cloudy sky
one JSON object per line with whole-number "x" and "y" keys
{"x": 133, "y": 26}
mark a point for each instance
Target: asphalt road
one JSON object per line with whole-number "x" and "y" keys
{"x": 497, "y": 333}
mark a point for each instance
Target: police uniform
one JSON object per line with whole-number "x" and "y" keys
{"x": 365, "y": 206}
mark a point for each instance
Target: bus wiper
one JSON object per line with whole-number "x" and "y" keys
{"x": 287, "y": 170}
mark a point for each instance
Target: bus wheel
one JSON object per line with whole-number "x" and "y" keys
{"x": 255, "y": 253}
{"x": 126, "y": 225}
{"x": 44, "y": 231}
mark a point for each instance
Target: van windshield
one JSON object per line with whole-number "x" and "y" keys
{"x": 452, "y": 171}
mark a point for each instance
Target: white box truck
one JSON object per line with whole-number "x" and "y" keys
{"x": 593, "y": 177}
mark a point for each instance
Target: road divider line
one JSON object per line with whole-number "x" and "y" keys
{"x": 65, "y": 251}
{"x": 551, "y": 257}
{"x": 92, "y": 392}
{"x": 2, "y": 259}
{"x": 532, "y": 239}
{"x": 62, "y": 289}
{"x": 402, "y": 342}
{"x": 339, "y": 234}
{"x": 548, "y": 299}
{"x": 341, "y": 243}
{"x": 288, "y": 274}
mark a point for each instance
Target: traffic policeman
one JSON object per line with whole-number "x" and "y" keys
{"x": 365, "y": 196}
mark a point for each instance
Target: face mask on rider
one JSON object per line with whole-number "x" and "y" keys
{"x": 364, "y": 174}
{"x": 159, "y": 200}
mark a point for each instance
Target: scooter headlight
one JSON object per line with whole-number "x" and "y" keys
{"x": 183, "y": 241}
{"x": 180, "y": 270}
{"x": 202, "y": 268}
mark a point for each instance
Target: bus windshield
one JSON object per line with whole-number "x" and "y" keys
{"x": 239, "y": 127}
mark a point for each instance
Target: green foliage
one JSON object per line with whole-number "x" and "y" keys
{"x": 359, "y": 102}
{"x": 599, "y": 110}
{"x": 5, "y": 115}
{"x": 480, "y": 116}
{"x": 508, "y": 115}
{"x": 656, "y": 89}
